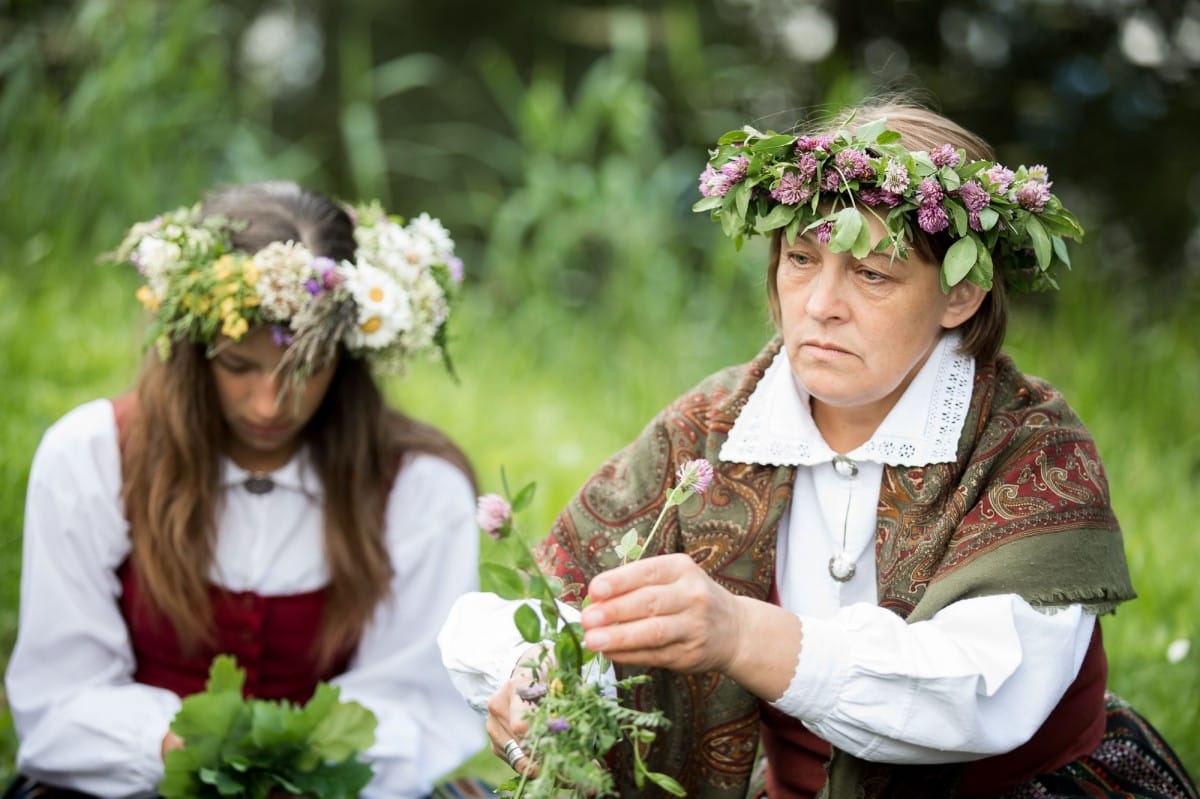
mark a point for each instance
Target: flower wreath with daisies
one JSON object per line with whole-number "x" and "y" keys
{"x": 757, "y": 182}
{"x": 390, "y": 305}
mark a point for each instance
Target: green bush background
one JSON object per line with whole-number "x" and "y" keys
{"x": 593, "y": 295}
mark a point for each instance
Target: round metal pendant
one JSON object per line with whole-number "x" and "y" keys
{"x": 844, "y": 467}
{"x": 259, "y": 484}
{"x": 841, "y": 568}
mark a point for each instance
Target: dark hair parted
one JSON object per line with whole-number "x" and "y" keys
{"x": 174, "y": 440}
{"x": 921, "y": 129}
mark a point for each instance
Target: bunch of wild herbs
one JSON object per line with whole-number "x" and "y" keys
{"x": 574, "y": 719}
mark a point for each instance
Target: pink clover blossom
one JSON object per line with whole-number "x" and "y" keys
{"x": 1032, "y": 196}
{"x": 895, "y": 178}
{"x": 695, "y": 475}
{"x": 932, "y": 218}
{"x": 825, "y": 231}
{"x": 945, "y": 155}
{"x": 492, "y": 514}
{"x": 1000, "y": 178}
{"x": 791, "y": 190}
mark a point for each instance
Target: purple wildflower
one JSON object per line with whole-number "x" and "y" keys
{"x": 999, "y": 178}
{"x": 556, "y": 724}
{"x": 808, "y": 144}
{"x": 736, "y": 169}
{"x": 532, "y": 693}
{"x": 1039, "y": 173}
{"x": 831, "y": 180}
{"x": 1032, "y": 196}
{"x": 281, "y": 336}
{"x": 974, "y": 196}
{"x": 455, "y": 265}
{"x": 327, "y": 269}
{"x": 492, "y": 514}
{"x": 895, "y": 178}
{"x": 854, "y": 164}
{"x": 945, "y": 155}
{"x": 807, "y": 166}
{"x": 932, "y": 218}
{"x": 713, "y": 183}
{"x": 791, "y": 190}
{"x": 930, "y": 191}
{"x": 313, "y": 286}
{"x": 825, "y": 231}
{"x": 695, "y": 475}
{"x": 877, "y": 196}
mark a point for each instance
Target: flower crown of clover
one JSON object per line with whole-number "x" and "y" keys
{"x": 758, "y": 182}
{"x": 389, "y": 305}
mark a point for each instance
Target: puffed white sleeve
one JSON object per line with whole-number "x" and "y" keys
{"x": 978, "y": 678}
{"x": 425, "y": 729}
{"x": 481, "y": 645}
{"x": 82, "y": 721}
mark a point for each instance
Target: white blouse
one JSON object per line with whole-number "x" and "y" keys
{"x": 83, "y": 722}
{"x": 977, "y": 679}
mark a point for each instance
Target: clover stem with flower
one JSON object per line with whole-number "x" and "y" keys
{"x": 574, "y": 721}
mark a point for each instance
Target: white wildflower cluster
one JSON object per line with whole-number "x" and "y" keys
{"x": 402, "y": 286}
{"x": 283, "y": 271}
{"x": 163, "y": 246}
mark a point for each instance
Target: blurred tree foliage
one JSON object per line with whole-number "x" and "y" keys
{"x": 557, "y": 139}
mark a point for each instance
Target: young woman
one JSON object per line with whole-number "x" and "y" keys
{"x": 894, "y": 581}
{"x": 254, "y": 495}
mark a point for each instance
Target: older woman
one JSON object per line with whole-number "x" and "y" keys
{"x": 895, "y": 579}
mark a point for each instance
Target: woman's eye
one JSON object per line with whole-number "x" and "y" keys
{"x": 871, "y": 276}
{"x": 799, "y": 258}
{"x": 235, "y": 368}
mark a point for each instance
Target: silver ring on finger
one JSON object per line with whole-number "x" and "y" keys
{"x": 513, "y": 753}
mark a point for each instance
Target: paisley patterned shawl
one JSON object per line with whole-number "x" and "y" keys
{"x": 1024, "y": 510}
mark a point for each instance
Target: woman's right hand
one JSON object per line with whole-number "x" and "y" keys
{"x": 507, "y": 711}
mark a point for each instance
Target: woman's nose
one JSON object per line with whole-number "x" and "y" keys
{"x": 267, "y": 397}
{"x": 825, "y": 298}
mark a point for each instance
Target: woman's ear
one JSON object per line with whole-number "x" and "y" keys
{"x": 964, "y": 300}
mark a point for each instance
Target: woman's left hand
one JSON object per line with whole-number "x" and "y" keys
{"x": 663, "y": 611}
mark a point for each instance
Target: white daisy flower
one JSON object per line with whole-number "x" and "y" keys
{"x": 382, "y": 308}
{"x": 432, "y": 230}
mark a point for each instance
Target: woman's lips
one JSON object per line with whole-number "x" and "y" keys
{"x": 824, "y": 350}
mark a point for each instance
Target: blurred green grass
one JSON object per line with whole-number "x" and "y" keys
{"x": 548, "y": 396}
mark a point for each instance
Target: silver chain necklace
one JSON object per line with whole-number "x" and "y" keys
{"x": 841, "y": 567}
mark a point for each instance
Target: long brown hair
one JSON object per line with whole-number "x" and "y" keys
{"x": 923, "y": 129}
{"x": 173, "y": 446}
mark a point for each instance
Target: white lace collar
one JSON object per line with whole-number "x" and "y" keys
{"x": 775, "y": 428}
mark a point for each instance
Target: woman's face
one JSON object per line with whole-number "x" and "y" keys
{"x": 857, "y": 331}
{"x": 264, "y": 423}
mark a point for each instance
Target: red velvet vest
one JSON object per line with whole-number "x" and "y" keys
{"x": 273, "y": 638}
{"x": 796, "y": 757}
